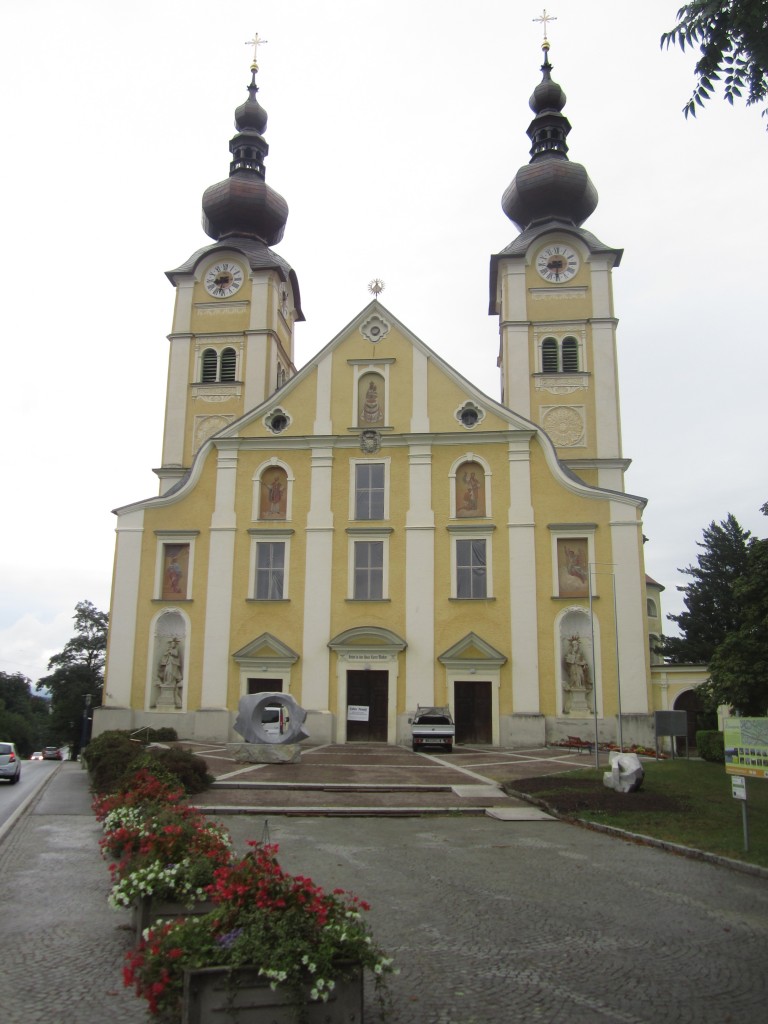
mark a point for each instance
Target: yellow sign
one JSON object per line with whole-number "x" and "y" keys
{"x": 746, "y": 747}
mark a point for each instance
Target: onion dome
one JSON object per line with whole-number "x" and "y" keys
{"x": 550, "y": 187}
{"x": 244, "y": 205}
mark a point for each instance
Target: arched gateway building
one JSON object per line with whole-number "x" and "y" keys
{"x": 372, "y": 532}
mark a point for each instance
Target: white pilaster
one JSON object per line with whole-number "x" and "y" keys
{"x": 420, "y": 413}
{"x": 218, "y": 602}
{"x": 629, "y": 581}
{"x": 522, "y": 576}
{"x": 317, "y": 588}
{"x": 125, "y": 592}
{"x": 323, "y": 421}
{"x": 255, "y": 388}
{"x": 176, "y": 399}
{"x": 606, "y": 384}
{"x": 420, "y": 580}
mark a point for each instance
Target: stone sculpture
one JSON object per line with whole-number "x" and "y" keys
{"x": 626, "y": 774}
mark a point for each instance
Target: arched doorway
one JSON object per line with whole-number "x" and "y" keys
{"x": 689, "y": 702}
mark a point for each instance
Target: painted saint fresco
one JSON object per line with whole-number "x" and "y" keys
{"x": 470, "y": 490}
{"x": 175, "y": 571}
{"x": 274, "y": 494}
{"x": 573, "y": 567}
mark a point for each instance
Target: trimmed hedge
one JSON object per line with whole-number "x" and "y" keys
{"x": 113, "y": 754}
{"x": 710, "y": 745}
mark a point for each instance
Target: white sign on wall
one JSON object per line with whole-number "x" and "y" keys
{"x": 357, "y": 713}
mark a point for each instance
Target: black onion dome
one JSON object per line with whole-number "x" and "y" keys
{"x": 251, "y": 116}
{"x": 243, "y": 204}
{"x": 550, "y": 187}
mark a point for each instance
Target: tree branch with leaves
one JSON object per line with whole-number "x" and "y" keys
{"x": 732, "y": 38}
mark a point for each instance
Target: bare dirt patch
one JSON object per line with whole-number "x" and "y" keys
{"x": 574, "y": 796}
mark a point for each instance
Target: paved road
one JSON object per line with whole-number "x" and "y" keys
{"x": 491, "y": 922}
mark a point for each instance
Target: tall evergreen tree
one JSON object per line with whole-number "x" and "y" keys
{"x": 739, "y": 666}
{"x": 78, "y": 674}
{"x": 712, "y": 609}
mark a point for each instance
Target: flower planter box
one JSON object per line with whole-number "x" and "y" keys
{"x": 149, "y": 909}
{"x": 242, "y": 996}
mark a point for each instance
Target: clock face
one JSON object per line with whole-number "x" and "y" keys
{"x": 557, "y": 263}
{"x": 223, "y": 280}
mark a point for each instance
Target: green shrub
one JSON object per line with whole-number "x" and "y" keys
{"x": 190, "y": 770}
{"x": 164, "y": 735}
{"x": 108, "y": 757}
{"x": 114, "y": 754}
{"x": 709, "y": 743}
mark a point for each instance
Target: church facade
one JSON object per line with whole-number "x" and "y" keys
{"x": 371, "y": 532}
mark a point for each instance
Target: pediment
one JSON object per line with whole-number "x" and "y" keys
{"x": 268, "y": 649}
{"x": 470, "y": 649}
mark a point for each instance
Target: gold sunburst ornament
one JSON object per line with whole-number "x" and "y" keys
{"x": 376, "y": 286}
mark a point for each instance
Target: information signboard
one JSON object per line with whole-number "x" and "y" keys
{"x": 357, "y": 713}
{"x": 746, "y": 747}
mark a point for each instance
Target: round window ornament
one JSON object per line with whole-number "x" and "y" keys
{"x": 277, "y": 421}
{"x": 469, "y": 415}
{"x": 375, "y": 328}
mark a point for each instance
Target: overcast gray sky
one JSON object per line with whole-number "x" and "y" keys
{"x": 394, "y": 128}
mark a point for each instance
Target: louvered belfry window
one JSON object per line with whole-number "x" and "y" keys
{"x": 210, "y": 366}
{"x": 228, "y": 364}
{"x": 549, "y": 360}
{"x": 570, "y": 355}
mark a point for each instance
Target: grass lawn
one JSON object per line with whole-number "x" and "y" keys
{"x": 681, "y": 801}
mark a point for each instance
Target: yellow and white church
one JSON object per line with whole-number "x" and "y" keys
{"x": 371, "y": 532}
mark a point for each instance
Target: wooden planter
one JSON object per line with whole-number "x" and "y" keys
{"x": 242, "y": 996}
{"x": 149, "y": 909}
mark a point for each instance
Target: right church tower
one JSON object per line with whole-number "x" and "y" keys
{"x": 551, "y": 289}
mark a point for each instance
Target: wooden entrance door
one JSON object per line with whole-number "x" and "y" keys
{"x": 368, "y": 690}
{"x": 474, "y": 718}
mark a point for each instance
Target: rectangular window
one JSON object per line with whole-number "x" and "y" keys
{"x": 471, "y": 569}
{"x": 270, "y": 570}
{"x": 369, "y": 490}
{"x": 368, "y": 583}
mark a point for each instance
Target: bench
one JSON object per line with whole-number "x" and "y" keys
{"x": 576, "y": 743}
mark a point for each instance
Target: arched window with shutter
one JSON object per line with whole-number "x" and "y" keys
{"x": 228, "y": 364}
{"x": 570, "y": 360}
{"x": 210, "y": 366}
{"x": 549, "y": 354}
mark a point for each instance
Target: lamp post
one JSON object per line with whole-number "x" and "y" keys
{"x": 84, "y": 730}
{"x": 594, "y": 570}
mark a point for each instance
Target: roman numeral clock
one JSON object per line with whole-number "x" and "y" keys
{"x": 557, "y": 263}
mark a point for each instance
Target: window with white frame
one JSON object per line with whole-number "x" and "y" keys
{"x": 270, "y": 558}
{"x": 560, "y": 356}
{"x": 471, "y": 568}
{"x": 369, "y": 490}
{"x": 368, "y": 570}
{"x": 218, "y": 366}
{"x": 368, "y": 564}
{"x": 471, "y": 563}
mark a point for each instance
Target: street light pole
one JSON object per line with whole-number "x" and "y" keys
{"x": 605, "y": 572}
{"x": 84, "y": 730}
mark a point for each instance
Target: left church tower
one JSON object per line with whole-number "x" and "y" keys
{"x": 231, "y": 344}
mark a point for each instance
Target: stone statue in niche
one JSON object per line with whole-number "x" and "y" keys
{"x": 371, "y": 400}
{"x": 577, "y": 683}
{"x": 170, "y": 673}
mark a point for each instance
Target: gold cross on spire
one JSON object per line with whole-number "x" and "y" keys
{"x": 256, "y": 42}
{"x": 544, "y": 18}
